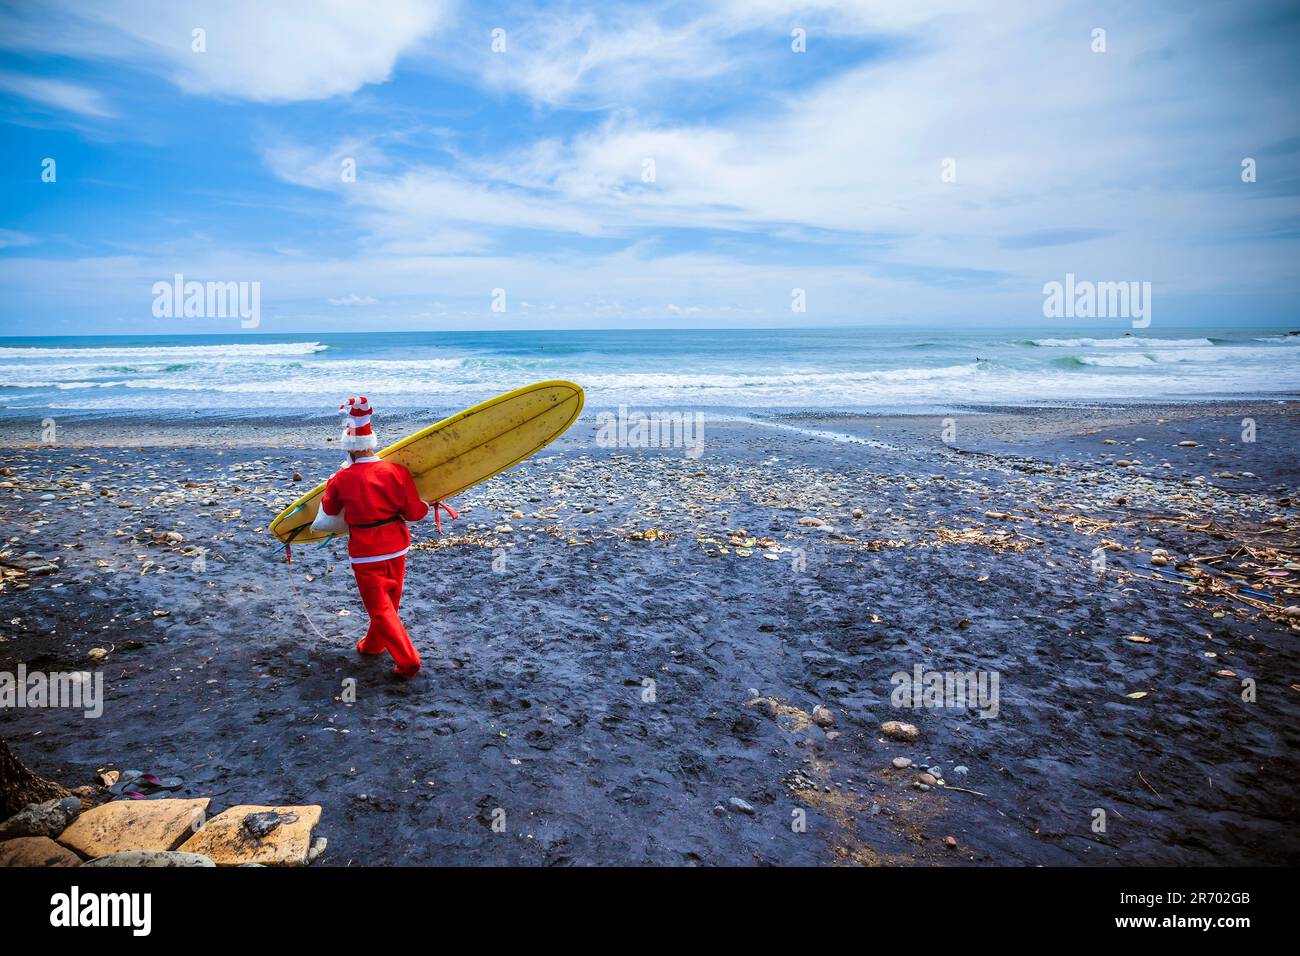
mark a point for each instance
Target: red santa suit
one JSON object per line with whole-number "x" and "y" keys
{"x": 379, "y": 498}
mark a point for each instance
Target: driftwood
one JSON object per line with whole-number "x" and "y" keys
{"x": 19, "y": 786}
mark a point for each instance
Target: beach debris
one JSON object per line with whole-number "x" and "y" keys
{"x": 229, "y": 839}
{"x": 1137, "y": 638}
{"x": 1000, "y": 539}
{"x": 133, "y": 825}
{"x": 47, "y": 819}
{"x": 898, "y": 730}
{"x": 36, "y": 851}
{"x": 151, "y": 858}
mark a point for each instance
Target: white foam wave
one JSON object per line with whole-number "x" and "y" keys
{"x": 212, "y": 353}
{"x": 1117, "y": 361}
{"x": 1128, "y": 341}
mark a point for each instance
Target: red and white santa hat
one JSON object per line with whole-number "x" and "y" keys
{"x": 357, "y": 434}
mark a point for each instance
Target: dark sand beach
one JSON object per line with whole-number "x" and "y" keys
{"x": 798, "y": 562}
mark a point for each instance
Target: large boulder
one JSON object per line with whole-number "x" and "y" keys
{"x": 273, "y": 836}
{"x": 36, "y": 851}
{"x": 47, "y": 819}
{"x": 134, "y": 825}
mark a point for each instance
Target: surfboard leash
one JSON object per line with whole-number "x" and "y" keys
{"x": 293, "y": 585}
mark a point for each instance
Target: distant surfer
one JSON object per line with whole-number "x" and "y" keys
{"x": 380, "y": 498}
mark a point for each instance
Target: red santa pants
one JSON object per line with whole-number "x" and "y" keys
{"x": 380, "y": 584}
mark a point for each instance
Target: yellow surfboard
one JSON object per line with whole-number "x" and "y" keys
{"x": 459, "y": 452}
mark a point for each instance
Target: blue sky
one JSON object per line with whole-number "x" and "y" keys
{"x": 523, "y": 169}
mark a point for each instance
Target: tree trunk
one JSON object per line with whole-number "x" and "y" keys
{"x": 19, "y": 786}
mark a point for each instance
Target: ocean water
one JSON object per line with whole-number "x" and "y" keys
{"x": 877, "y": 368}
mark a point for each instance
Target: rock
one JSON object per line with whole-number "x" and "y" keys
{"x": 297, "y": 476}
{"x": 928, "y": 779}
{"x": 229, "y": 841}
{"x": 133, "y": 825}
{"x": 1293, "y": 612}
{"x": 1189, "y": 444}
{"x": 503, "y": 529}
{"x": 822, "y": 716}
{"x": 318, "y": 846}
{"x": 152, "y": 858}
{"x": 47, "y": 819}
{"x": 902, "y": 763}
{"x": 950, "y": 842}
{"x": 832, "y": 735}
{"x": 1159, "y": 560}
{"x": 740, "y": 806}
{"x": 810, "y": 522}
{"x": 897, "y": 730}
{"x": 97, "y": 653}
{"x": 857, "y": 512}
{"x": 36, "y": 851}
{"x": 959, "y": 769}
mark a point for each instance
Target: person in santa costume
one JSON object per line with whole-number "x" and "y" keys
{"x": 376, "y": 498}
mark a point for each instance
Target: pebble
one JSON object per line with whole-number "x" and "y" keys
{"x": 902, "y": 763}
{"x": 740, "y": 806}
{"x": 897, "y": 730}
{"x": 822, "y": 716}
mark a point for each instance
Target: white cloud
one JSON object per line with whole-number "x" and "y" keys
{"x": 266, "y": 52}
{"x": 59, "y": 94}
{"x": 353, "y": 299}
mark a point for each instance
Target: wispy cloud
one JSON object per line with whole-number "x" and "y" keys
{"x": 56, "y": 94}
{"x": 272, "y": 53}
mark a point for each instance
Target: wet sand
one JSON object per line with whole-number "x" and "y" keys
{"x": 744, "y": 612}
